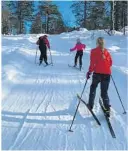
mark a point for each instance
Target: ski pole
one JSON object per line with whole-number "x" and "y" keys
{"x": 118, "y": 95}
{"x": 51, "y": 57}
{"x": 69, "y": 57}
{"x": 36, "y": 54}
{"x": 70, "y": 130}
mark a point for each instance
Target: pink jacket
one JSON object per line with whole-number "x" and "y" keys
{"x": 78, "y": 47}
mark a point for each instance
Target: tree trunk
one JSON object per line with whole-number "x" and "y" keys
{"x": 85, "y": 15}
{"x": 47, "y": 23}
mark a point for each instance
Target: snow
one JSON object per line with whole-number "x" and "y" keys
{"x": 126, "y": 30}
{"x": 38, "y": 103}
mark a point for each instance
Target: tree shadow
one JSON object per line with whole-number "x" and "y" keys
{"x": 29, "y": 117}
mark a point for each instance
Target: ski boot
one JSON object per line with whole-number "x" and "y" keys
{"x": 89, "y": 106}
{"x": 80, "y": 67}
{"x": 40, "y": 62}
{"x": 47, "y": 64}
{"x": 107, "y": 112}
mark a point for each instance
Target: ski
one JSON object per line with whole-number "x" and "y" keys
{"x": 45, "y": 65}
{"x": 74, "y": 67}
{"x": 107, "y": 120}
{"x": 93, "y": 114}
{"x": 48, "y": 64}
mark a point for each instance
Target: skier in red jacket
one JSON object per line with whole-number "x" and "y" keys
{"x": 43, "y": 44}
{"x": 100, "y": 65}
{"x": 79, "y": 47}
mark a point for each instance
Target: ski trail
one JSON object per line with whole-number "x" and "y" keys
{"x": 28, "y": 133}
{"x": 34, "y": 95}
{"x": 18, "y": 98}
{"x": 74, "y": 140}
{"x": 87, "y": 136}
{"x": 99, "y": 133}
{"x": 39, "y": 93}
{"x": 30, "y": 95}
{"x": 120, "y": 132}
{"x": 19, "y": 131}
{"x": 45, "y": 98}
{"x": 52, "y": 98}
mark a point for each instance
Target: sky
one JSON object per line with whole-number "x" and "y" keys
{"x": 66, "y": 11}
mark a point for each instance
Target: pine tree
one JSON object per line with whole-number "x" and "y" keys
{"x": 5, "y": 22}
{"x": 96, "y": 14}
{"x": 23, "y": 11}
{"x": 51, "y": 17}
{"x": 89, "y": 14}
{"x": 124, "y": 15}
{"x": 120, "y": 14}
{"x": 5, "y": 18}
{"x": 36, "y": 27}
{"x": 78, "y": 11}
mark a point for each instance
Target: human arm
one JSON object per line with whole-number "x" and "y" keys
{"x": 92, "y": 62}
{"x": 91, "y": 66}
{"x": 84, "y": 46}
{"x": 74, "y": 48}
{"x": 109, "y": 58}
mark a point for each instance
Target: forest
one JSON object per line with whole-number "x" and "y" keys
{"x": 18, "y": 16}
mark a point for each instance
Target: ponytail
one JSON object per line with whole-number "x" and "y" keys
{"x": 100, "y": 43}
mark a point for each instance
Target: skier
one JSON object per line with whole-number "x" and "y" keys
{"x": 100, "y": 65}
{"x": 79, "y": 47}
{"x": 43, "y": 44}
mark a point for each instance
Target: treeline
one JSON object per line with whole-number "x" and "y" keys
{"x": 18, "y": 16}
{"x": 110, "y": 15}
{"x": 43, "y": 17}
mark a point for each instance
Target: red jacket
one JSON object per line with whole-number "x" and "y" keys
{"x": 98, "y": 64}
{"x": 78, "y": 47}
{"x": 45, "y": 40}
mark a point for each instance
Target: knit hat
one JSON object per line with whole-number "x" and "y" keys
{"x": 78, "y": 40}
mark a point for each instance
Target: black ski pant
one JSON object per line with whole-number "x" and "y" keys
{"x": 104, "y": 80}
{"x": 79, "y": 55}
{"x": 43, "y": 54}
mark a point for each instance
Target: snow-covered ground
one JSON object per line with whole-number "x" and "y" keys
{"x": 38, "y": 103}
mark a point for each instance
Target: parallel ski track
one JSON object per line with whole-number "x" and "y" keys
{"x": 47, "y": 99}
{"x": 19, "y": 131}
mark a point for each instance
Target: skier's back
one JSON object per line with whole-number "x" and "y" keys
{"x": 100, "y": 65}
{"x": 79, "y": 47}
{"x": 43, "y": 44}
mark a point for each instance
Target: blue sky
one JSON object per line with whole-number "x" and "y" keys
{"x": 64, "y": 7}
{"x": 65, "y": 10}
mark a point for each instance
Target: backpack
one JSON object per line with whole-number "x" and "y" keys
{"x": 42, "y": 42}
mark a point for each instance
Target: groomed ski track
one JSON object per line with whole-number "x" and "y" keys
{"x": 39, "y": 102}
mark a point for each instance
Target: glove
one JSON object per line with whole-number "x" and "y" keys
{"x": 88, "y": 75}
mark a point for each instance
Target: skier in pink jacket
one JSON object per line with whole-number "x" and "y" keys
{"x": 79, "y": 47}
